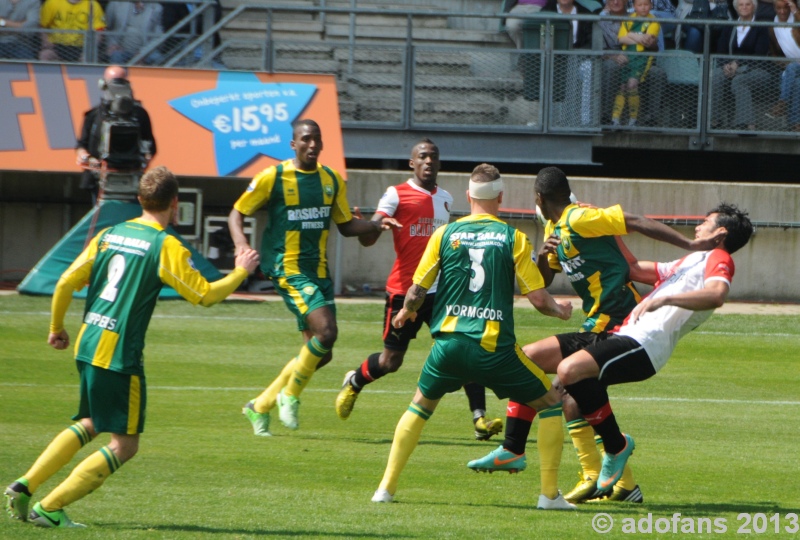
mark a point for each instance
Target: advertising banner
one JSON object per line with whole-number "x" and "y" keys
{"x": 206, "y": 123}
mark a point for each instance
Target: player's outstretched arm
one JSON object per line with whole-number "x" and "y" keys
{"x": 640, "y": 271}
{"x": 246, "y": 263}
{"x": 547, "y": 305}
{"x": 360, "y": 227}
{"x": 659, "y": 231}
{"x": 367, "y": 240}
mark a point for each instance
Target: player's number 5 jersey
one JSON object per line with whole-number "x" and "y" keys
{"x": 477, "y": 258}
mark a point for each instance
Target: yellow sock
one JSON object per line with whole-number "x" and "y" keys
{"x": 619, "y": 104}
{"x": 266, "y": 401}
{"x": 57, "y": 454}
{"x": 310, "y": 355}
{"x": 550, "y": 442}
{"x": 406, "y": 437}
{"x": 633, "y": 105}
{"x": 626, "y": 481}
{"x": 88, "y": 476}
{"x": 583, "y": 440}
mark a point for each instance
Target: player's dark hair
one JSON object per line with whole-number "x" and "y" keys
{"x": 484, "y": 173}
{"x": 738, "y": 225}
{"x": 304, "y": 122}
{"x": 552, "y": 184}
{"x": 157, "y": 189}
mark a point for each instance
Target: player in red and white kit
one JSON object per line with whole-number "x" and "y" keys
{"x": 421, "y": 207}
{"x": 686, "y": 293}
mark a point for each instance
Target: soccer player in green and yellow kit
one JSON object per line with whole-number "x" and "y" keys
{"x": 125, "y": 267}
{"x": 583, "y": 243}
{"x": 302, "y": 198}
{"x": 477, "y": 259}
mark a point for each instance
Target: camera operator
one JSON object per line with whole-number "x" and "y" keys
{"x": 117, "y": 107}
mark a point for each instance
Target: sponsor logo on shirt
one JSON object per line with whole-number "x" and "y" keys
{"x": 101, "y": 321}
{"x": 474, "y": 312}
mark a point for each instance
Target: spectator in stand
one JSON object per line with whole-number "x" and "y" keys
{"x": 130, "y": 27}
{"x": 636, "y": 35}
{"x": 700, "y": 9}
{"x": 785, "y": 42}
{"x": 68, "y": 15}
{"x": 739, "y": 76}
{"x": 20, "y": 15}
{"x": 578, "y": 95}
{"x": 652, "y": 88}
{"x": 520, "y": 7}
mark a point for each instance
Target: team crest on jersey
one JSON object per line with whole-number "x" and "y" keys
{"x": 456, "y": 243}
{"x": 308, "y": 290}
{"x": 328, "y": 190}
{"x": 566, "y": 243}
{"x": 103, "y": 246}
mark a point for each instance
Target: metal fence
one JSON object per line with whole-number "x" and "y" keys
{"x": 417, "y": 69}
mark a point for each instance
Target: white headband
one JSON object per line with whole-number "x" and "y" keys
{"x": 485, "y": 190}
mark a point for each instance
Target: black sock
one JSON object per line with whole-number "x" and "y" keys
{"x": 476, "y": 394}
{"x": 517, "y": 431}
{"x": 592, "y": 400}
{"x": 373, "y": 368}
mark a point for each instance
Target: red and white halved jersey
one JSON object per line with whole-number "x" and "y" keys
{"x": 659, "y": 331}
{"x": 420, "y": 212}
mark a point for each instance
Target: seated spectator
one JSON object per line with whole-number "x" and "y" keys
{"x": 68, "y": 15}
{"x": 739, "y": 76}
{"x": 577, "y": 94}
{"x": 22, "y": 15}
{"x": 651, "y": 89}
{"x": 785, "y": 42}
{"x": 664, "y": 9}
{"x": 636, "y": 35}
{"x": 700, "y": 9}
{"x": 514, "y": 26}
{"x": 130, "y": 27}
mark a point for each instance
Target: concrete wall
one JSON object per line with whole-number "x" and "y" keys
{"x": 36, "y": 210}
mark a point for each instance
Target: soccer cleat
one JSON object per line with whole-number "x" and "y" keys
{"x": 287, "y": 409}
{"x": 584, "y": 490}
{"x": 55, "y": 519}
{"x": 559, "y": 503}
{"x": 382, "y": 496}
{"x": 347, "y": 397}
{"x": 499, "y": 459}
{"x": 484, "y": 429}
{"x": 259, "y": 420}
{"x": 614, "y": 464}
{"x": 626, "y": 495}
{"x": 18, "y": 498}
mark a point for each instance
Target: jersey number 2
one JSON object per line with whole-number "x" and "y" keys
{"x": 116, "y": 267}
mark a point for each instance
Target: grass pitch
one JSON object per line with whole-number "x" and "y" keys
{"x": 716, "y": 435}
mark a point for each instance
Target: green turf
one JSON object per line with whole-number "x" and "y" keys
{"x": 716, "y": 434}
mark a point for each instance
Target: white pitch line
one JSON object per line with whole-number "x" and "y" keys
{"x": 556, "y": 329}
{"x": 410, "y": 392}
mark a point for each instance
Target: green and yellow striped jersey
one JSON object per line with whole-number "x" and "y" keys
{"x": 125, "y": 267}
{"x": 593, "y": 263}
{"x": 300, "y": 207}
{"x": 477, "y": 258}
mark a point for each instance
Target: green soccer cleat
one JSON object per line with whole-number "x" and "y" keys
{"x": 57, "y": 519}
{"x": 288, "y": 407}
{"x": 585, "y": 490}
{"x": 499, "y": 459}
{"x": 346, "y": 398}
{"x": 614, "y": 464}
{"x": 259, "y": 420}
{"x": 484, "y": 429}
{"x": 18, "y": 498}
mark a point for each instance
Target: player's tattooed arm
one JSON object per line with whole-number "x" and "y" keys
{"x": 414, "y": 299}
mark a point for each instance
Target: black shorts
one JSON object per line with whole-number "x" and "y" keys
{"x": 397, "y": 339}
{"x": 621, "y": 360}
{"x": 573, "y": 342}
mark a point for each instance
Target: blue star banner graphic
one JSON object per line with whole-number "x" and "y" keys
{"x": 248, "y": 118}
